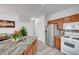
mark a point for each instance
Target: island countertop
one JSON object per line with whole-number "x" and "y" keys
{"x": 8, "y": 47}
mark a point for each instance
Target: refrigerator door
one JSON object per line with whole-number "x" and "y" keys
{"x": 50, "y": 35}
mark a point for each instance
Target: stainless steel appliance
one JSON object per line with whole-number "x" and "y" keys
{"x": 51, "y": 32}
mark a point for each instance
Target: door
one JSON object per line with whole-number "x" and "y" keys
{"x": 50, "y": 35}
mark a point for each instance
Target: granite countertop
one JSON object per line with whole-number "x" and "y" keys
{"x": 8, "y": 47}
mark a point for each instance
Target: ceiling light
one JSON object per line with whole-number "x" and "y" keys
{"x": 32, "y": 18}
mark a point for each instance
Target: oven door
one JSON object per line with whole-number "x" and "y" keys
{"x": 70, "y": 46}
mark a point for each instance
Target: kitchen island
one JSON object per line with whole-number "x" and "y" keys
{"x": 25, "y": 46}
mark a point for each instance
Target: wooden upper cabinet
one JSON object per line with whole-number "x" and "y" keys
{"x": 67, "y": 19}
{"x": 61, "y": 21}
{"x": 60, "y": 24}
{"x": 52, "y": 22}
{"x": 72, "y": 18}
{"x": 75, "y": 18}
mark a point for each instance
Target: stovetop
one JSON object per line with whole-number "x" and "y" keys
{"x": 72, "y": 37}
{"x": 67, "y": 36}
{"x": 75, "y": 38}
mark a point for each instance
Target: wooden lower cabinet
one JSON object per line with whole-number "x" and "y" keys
{"x": 57, "y": 42}
{"x": 31, "y": 49}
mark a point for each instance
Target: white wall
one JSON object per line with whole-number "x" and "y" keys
{"x": 18, "y": 24}
{"x": 29, "y": 26}
{"x": 40, "y": 28}
{"x": 20, "y": 21}
{"x": 64, "y": 13}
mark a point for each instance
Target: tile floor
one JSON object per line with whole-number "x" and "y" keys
{"x": 43, "y": 49}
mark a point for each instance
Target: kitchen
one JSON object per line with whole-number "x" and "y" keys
{"x": 65, "y": 34}
{"x": 57, "y": 30}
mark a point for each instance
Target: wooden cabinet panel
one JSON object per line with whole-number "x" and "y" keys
{"x": 60, "y": 24}
{"x": 67, "y": 19}
{"x": 31, "y": 49}
{"x": 72, "y": 18}
{"x": 57, "y": 42}
{"x": 75, "y": 18}
{"x": 61, "y": 21}
{"x": 52, "y": 22}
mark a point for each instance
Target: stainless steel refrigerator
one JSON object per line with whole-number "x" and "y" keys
{"x": 51, "y": 32}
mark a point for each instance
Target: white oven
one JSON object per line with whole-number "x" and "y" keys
{"x": 69, "y": 46}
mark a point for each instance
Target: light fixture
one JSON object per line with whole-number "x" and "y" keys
{"x": 32, "y": 18}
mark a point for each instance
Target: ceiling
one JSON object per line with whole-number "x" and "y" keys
{"x": 34, "y": 10}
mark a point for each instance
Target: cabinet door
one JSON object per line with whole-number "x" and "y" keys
{"x": 67, "y": 19}
{"x": 52, "y": 22}
{"x": 58, "y": 42}
{"x": 60, "y": 24}
{"x": 75, "y": 18}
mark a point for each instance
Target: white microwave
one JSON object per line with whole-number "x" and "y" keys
{"x": 71, "y": 26}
